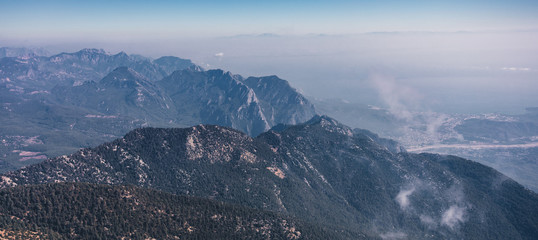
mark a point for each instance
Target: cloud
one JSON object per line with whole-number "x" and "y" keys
{"x": 453, "y": 197}
{"x": 433, "y": 122}
{"x": 453, "y": 216}
{"x": 427, "y": 220}
{"x": 220, "y": 54}
{"x": 417, "y": 124}
{"x": 403, "y": 197}
{"x": 393, "y": 235}
{"x": 398, "y": 97}
{"x": 515, "y": 69}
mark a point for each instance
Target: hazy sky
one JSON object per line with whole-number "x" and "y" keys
{"x": 457, "y": 56}
{"x": 148, "y": 19}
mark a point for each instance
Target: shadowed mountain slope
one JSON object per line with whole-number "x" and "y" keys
{"x": 319, "y": 171}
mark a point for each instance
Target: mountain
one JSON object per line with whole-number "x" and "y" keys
{"x": 279, "y": 101}
{"x": 252, "y": 105}
{"x": 34, "y": 73}
{"x": 89, "y": 211}
{"x": 170, "y": 64}
{"x": 189, "y": 97}
{"x": 122, "y": 92}
{"x": 43, "y": 123}
{"x": 216, "y": 97}
{"x": 508, "y": 143}
{"x": 321, "y": 171}
{"x": 363, "y": 116}
{"x": 516, "y": 129}
{"x": 94, "y": 64}
{"x": 33, "y": 129}
{"x": 22, "y": 52}
{"x": 56, "y": 105}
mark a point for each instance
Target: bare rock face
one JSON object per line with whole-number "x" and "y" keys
{"x": 221, "y": 98}
{"x": 280, "y": 102}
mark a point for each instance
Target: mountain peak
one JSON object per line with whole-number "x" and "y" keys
{"x": 195, "y": 68}
{"x": 287, "y": 104}
{"x": 122, "y": 55}
{"x": 191, "y": 68}
{"x": 203, "y": 143}
{"x": 85, "y": 56}
{"x": 318, "y": 121}
{"x": 322, "y": 119}
{"x": 329, "y": 124}
{"x": 217, "y": 71}
{"x": 267, "y": 82}
{"x": 123, "y": 77}
{"x": 169, "y": 64}
{"x": 91, "y": 51}
{"x": 205, "y": 131}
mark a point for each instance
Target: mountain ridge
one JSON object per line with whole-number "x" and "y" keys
{"x": 66, "y": 101}
{"x": 320, "y": 171}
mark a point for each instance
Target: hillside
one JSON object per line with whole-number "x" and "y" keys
{"x": 320, "y": 171}
{"x": 89, "y": 211}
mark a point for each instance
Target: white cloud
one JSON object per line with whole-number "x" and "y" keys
{"x": 393, "y": 235}
{"x": 515, "y": 69}
{"x": 453, "y": 216}
{"x": 403, "y": 197}
{"x": 220, "y": 54}
{"x": 428, "y": 221}
{"x": 400, "y": 99}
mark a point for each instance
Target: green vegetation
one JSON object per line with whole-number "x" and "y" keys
{"x": 353, "y": 183}
{"x": 88, "y": 211}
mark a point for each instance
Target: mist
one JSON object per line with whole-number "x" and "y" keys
{"x": 452, "y": 72}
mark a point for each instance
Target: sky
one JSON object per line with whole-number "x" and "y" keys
{"x": 173, "y": 19}
{"x": 456, "y": 56}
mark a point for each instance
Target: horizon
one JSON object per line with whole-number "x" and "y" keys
{"x": 455, "y": 57}
{"x": 211, "y": 18}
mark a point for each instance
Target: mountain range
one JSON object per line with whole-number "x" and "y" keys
{"x": 193, "y": 154}
{"x": 321, "y": 171}
{"x": 22, "y": 52}
{"x": 58, "y": 104}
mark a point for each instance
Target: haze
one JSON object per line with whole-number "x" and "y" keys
{"x": 447, "y": 56}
